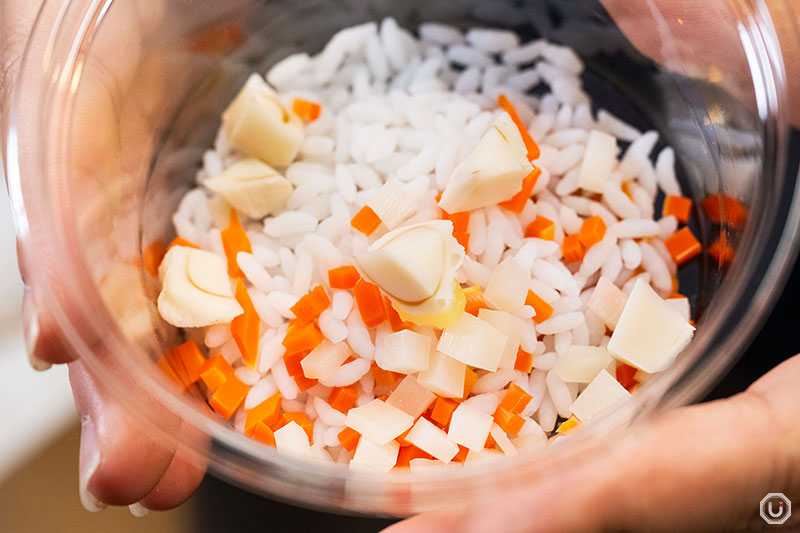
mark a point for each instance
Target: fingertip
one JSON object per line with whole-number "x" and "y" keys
{"x": 42, "y": 336}
{"x": 183, "y": 476}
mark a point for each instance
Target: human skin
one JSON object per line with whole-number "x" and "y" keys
{"x": 725, "y": 454}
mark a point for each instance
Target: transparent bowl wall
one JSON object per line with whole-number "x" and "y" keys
{"x": 119, "y": 100}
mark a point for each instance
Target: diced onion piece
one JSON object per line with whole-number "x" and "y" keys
{"x": 411, "y": 397}
{"x": 580, "y": 364}
{"x": 324, "y": 360}
{"x": 392, "y": 204}
{"x": 420, "y": 464}
{"x": 599, "y": 160}
{"x": 404, "y": 351}
{"x": 502, "y": 440}
{"x": 293, "y": 440}
{"x": 681, "y": 305}
{"x": 195, "y": 290}
{"x": 469, "y": 427}
{"x": 602, "y": 394}
{"x": 650, "y": 333}
{"x": 444, "y": 376}
{"x": 428, "y": 438}
{"x": 607, "y": 302}
{"x": 258, "y": 124}
{"x": 512, "y": 326}
{"x": 482, "y": 455}
{"x": 379, "y": 421}
{"x": 473, "y": 342}
{"x": 492, "y": 173}
{"x": 508, "y": 286}
{"x": 373, "y": 456}
{"x": 253, "y": 187}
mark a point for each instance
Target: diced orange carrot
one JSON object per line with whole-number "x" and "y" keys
{"x": 267, "y": 412}
{"x": 515, "y": 399}
{"x": 302, "y": 337}
{"x": 343, "y": 277}
{"x": 524, "y": 361}
{"x": 460, "y": 220}
{"x": 343, "y": 398}
{"x": 678, "y": 206}
{"x": 462, "y": 238}
{"x": 180, "y": 241}
{"x": 409, "y": 453}
{"x": 235, "y": 240}
{"x": 216, "y": 372}
{"x": 227, "y": 399}
{"x": 626, "y": 188}
{"x": 533, "y": 148}
{"x": 395, "y": 321}
{"x": 442, "y": 410}
{"x": 193, "y": 360}
{"x": 721, "y": 250}
{"x": 723, "y": 209}
{"x": 366, "y": 221}
{"x": 568, "y": 424}
{"x": 461, "y": 456}
{"x": 383, "y": 377}
{"x": 675, "y": 284}
{"x": 165, "y": 367}
{"x": 348, "y": 438}
{"x": 370, "y": 303}
{"x": 246, "y": 328}
{"x": 152, "y": 256}
{"x": 490, "y": 442}
{"x": 682, "y": 245}
{"x": 475, "y": 301}
{"x": 263, "y": 433}
{"x": 218, "y": 39}
{"x": 625, "y": 375}
{"x": 509, "y": 422}
{"x": 301, "y": 420}
{"x": 303, "y": 383}
{"x": 572, "y": 249}
{"x": 309, "y": 307}
{"x": 541, "y": 228}
{"x": 292, "y": 363}
{"x": 516, "y": 204}
{"x": 176, "y": 363}
{"x": 470, "y": 377}
{"x": 308, "y": 111}
{"x": 543, "y": 309}
{"x": 401, "y": 438}
{"x": 592, "y": 231}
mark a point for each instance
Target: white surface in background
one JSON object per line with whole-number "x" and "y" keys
{"x": 36, "y": 406}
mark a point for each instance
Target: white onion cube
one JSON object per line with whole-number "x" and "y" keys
{"x": 474, "y": 342}
{"x": 512, "y": 326}
{"x": 650, "y": 332}
{"x": 373, "y": 456}
{"x": 469, "y": 427}
{"x": 599, "y": 160}
{"x": 508, "y": 286}
{"x": 324, "y": 360}
{"x": 293, "y": 440}
{"x": 444, "y": 376}
{"x": 607, "y": 302}
{"x": 428, "y": 438}
{"x": 600, "y": 396}
{"x": 411, "y": 397}
{"x": 378, "y": 421}
{"x": 404, "y": 351}
{"x": 502, "y": 441}
{"x": 580, "y": 364}
{"x": 681, "y": 305}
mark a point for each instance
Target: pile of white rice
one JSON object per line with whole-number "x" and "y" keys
{"x": 406, "y": 107}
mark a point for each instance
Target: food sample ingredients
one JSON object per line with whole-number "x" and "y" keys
{"x": 399, "y": 255}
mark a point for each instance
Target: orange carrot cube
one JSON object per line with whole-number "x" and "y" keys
{"x": 343, "y": 277}
{"x": 308, "y": 111}
{"x": 309, "y": 307}
{"x": 678, "y": 206}
{"x": 524, "y": 361}
{"x": 235, "y": 240}
{"x": 592, "y": 231}
{"x": 366, "y": 221}
{"x": 267, "y": 412}
{"x": 509, "y": 422}
{"x": 348, "y": 438}
{"x": 515, "y": 399}
{"x": 682, "y": 246}
{"x": 443, "y": 410}
{"x": 541, "y": 228}
{"x": 370, "y": 303}
{"x": 572, "y": 249}
{"x": 343, "y": 398}
{"x": 227, "y": 399}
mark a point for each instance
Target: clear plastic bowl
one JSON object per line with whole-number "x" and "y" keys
{"x": 118, "y": 100}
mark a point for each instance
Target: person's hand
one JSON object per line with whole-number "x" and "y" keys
{"x": 704, "y": 467}
{"x": 121, "y": 462}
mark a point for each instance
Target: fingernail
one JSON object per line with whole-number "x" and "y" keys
{"x": 31, "y": 334}
{"x": 88, "y": 463}
{"x": 138, "y": 510}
